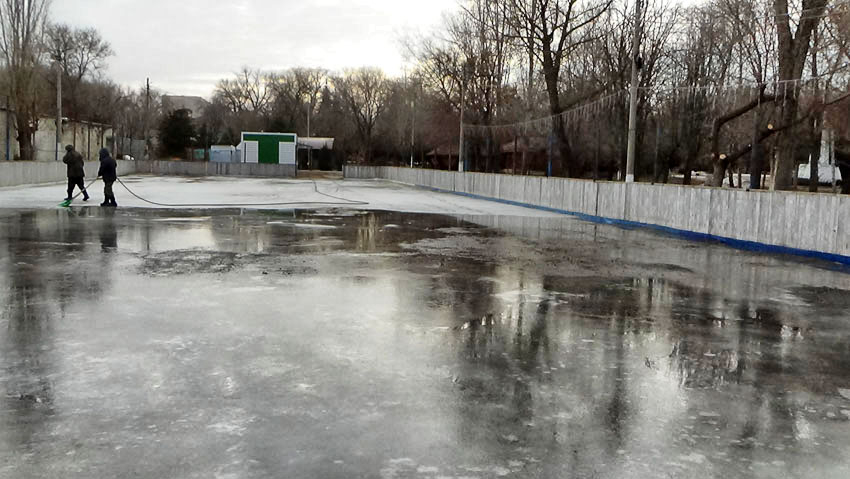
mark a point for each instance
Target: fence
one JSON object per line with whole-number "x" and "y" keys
{"x": 203, "y": 168}
{"x": 16, "y": 173}
{"x": 808, "y": 224}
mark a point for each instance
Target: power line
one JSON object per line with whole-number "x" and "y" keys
{"x": 595, "y": 106}
{"x": 545, "y": 121}
{"x": 722, "y": 16}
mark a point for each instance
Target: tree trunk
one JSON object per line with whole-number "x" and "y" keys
{"x": 562, "y": 159}
{"x": 25, "y": 138}
{"x": 783, "y": 179}
{"x": 793, "y": 51}
{"x": 367, "y": 155}
{"x": 814, "y": 162}
{"x": 843, "y": 163}
{"x": 513, "y": 157}
{"x": 550, "y": 74}
{"x": 717, "y": 160}
{"x": 757, "y": 153}
{"x": 718, "y": 172}
{"x": 816, "y": 123}
{"x": 721, "y": 162}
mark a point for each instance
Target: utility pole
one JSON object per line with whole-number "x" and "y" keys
{"x": 460, "y": 146}
{"x": 633, "y": 96}
{"x": 58, "y": 107}
{"x": 147, "y": 114}
{"x": 657, "y": 142}
{"x": 310, "y": 149}
{"x": 8, "y": 131}
{"x": 831, "y": 161}
{"x": 412, "y": 129}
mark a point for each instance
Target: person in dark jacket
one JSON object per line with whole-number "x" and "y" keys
{"x": 76, "y": 174}
{"x": 107, "y": 171}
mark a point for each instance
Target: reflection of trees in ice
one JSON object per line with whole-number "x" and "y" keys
{"x": 45, "y": 274}
{"x": 595, "y": 359}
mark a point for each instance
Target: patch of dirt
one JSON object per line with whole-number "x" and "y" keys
{"x": 176, "y": 262}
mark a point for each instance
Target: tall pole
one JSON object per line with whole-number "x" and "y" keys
{"x": 460, "y": 146}
{"x": 58, "y": 107}
{"x": 633, "y": 97}
{"x": 657, "y": 142}
{"x": 412, "y": 129}
{"x": 8, "y": 131}
{"x": 310, "y": 149}
{"x": 147, "y": 114}
{"x": 831, "y": 160}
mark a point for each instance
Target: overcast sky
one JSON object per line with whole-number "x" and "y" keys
{"x": 185, "y": 46}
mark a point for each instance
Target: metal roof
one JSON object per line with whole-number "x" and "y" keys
{"x": 316, "y": 143}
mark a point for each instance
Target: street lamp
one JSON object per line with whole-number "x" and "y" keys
{"x": 58, "y": 60}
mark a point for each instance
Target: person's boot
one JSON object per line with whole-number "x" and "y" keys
{"x": 112, "y": 202}
{"x": 85, "y": 195}
{"x": 105, "y": 202}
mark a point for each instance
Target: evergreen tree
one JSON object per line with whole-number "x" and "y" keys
{"x": 176, "y": 133}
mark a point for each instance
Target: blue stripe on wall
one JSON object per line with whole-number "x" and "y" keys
{"x": 735, "y": 243}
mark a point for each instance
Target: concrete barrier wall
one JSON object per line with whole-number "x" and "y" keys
{"x": 842, "y": 236}
{"x": 802, "y": 223}
{"x": 203, "y": 168}
{"x": 611, "y": 200}
{"x": 16, "y": 173}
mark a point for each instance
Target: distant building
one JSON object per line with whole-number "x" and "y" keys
{"x": 195, "y": 104}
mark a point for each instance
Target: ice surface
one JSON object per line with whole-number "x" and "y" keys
{"x": 260, "y": 193}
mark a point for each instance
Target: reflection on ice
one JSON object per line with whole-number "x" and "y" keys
{"x": 414, "y": 345}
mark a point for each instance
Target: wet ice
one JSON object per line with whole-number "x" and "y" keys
{"x": 447, "y": 346}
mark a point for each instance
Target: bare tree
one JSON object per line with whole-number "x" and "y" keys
{"x": 702, "y": 56}
{"x": 22, "y": 25}
{"x": 81, "y": 54}
{"x": 471, "y": 62}
{"x": 310, "y": 83}
{"x": 365, "y": 91}
{"x": 604, "y": 65}
{"x": 248, "y": 91}
{"x": 557, "y": 28}
{"x": 248, "y": 96}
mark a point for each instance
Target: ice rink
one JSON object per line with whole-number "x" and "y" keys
{"x": 265, "y": 193}
{"x": 418, "y": 335}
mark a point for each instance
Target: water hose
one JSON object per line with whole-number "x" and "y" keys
{"x": 341, "y": 202}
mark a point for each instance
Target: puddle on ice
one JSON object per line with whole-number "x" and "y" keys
{"x": 198, "y": 219}
{"x": 302, "y": 225}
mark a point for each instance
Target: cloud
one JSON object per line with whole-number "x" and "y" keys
{"x": 184, "y": 47}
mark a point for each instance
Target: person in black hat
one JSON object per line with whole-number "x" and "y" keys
{"x": 108, "y": 171}
{"x": 76, "y": 174}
